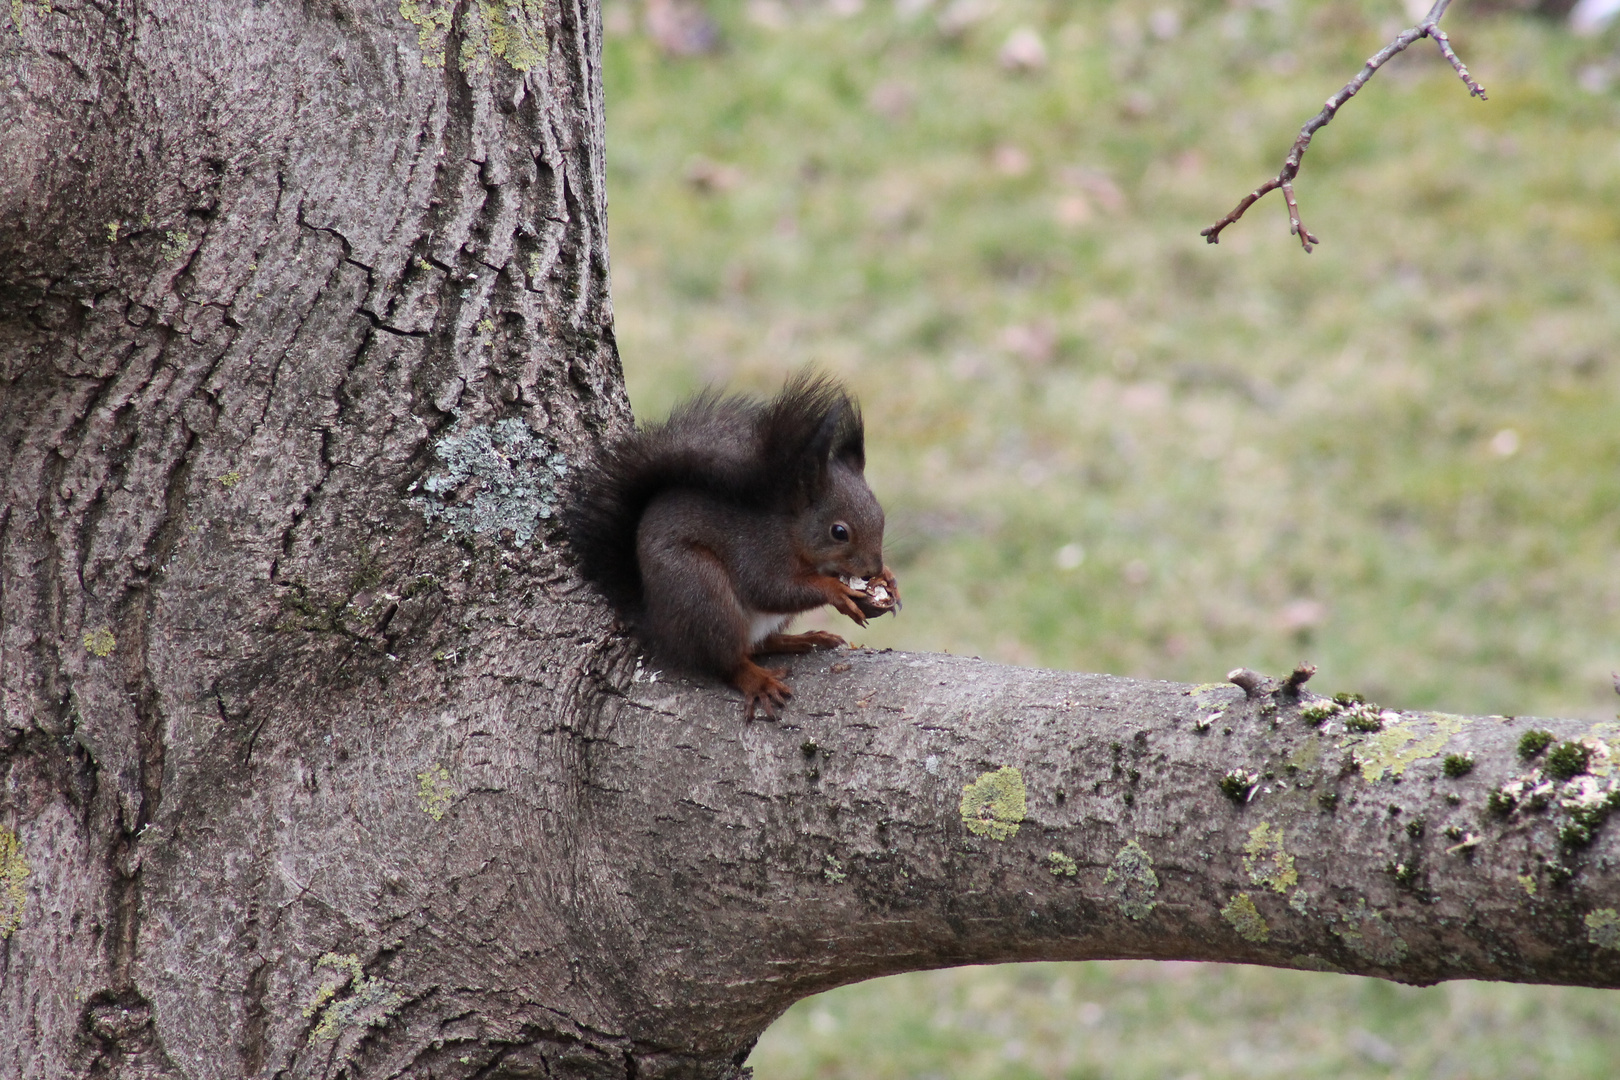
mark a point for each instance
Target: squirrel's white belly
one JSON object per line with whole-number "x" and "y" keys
{"x": 762, "y": 624}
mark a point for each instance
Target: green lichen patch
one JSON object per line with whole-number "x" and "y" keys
{"x": 432, "y": 21}
{"x": 834, "y": 870}
{"x": 994, "y": 805}
{"x": 1370, "y": 936}
{"x": 1061, "y": 865}
{"x": 369, "y": 1002}
{"x": 1266, "y": 861}
{"x": 13, "y": 873}
{"x": 499, "y": 479}
{"x": 1528, "y": 884}
{"x": 100, "y": 641}
{"x": 1211, "y": 693}
{"x": 433, "y": 791}
{"x": 509, "y": 30}
{"x": 1135, "y": 884}
{"x": 1400, "y": 742}
{"x": 1245, "y": 918}
{"x": 176, "y": 245}
{"x": 1603, "y": 928}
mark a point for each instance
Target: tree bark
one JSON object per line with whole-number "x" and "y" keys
{"x": 318, "y": 759}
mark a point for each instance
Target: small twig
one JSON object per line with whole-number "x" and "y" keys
{"x": 1428, "y": 28}
{"x": 1296, "y": 227}
{"x": 1440, "y": 39}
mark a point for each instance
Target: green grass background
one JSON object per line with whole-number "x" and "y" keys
{"x": 1106, "y": 445}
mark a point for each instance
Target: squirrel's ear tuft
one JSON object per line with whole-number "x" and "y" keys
{"x": 823, "y": 446}
{"x": 849, "y": 443}
{"x": 816, "y": 455}
{"x": 812, "y": 423}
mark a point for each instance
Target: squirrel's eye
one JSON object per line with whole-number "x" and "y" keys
{"x": 840, "y": 532}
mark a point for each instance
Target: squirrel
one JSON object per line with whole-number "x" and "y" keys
{"x": 709, "y": 532}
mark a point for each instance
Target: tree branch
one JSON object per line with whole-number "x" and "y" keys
{"x": 1429, "y": 27}
{"x": 914, "y": 811}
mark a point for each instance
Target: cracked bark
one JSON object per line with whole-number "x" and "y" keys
{"x": 307, "y": 783}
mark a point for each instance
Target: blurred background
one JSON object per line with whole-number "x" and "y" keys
{"x": 1106, "y": 445}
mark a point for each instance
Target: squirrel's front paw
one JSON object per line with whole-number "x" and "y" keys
{"x": 762, "y": 688}
{"x": 874, "y": 596}
{"x": 846, "y": 599}
{"x": 885, "y": 590}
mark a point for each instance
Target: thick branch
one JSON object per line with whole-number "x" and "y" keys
{"x": 848, "y": 840}
{"x": 1429, "y": 27}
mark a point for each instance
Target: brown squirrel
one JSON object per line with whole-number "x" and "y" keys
{"x": 709, "y": 532}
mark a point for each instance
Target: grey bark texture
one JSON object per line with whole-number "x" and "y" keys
{"x": 317, "y": 759}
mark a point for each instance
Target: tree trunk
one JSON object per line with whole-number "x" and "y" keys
{"x": 318, "y": 759}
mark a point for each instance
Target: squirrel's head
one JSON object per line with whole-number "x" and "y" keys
{"x": 841, "y": 532}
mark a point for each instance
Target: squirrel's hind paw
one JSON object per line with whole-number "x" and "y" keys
{"x": 798, "y": 643}
{"x": 762, "y": 688}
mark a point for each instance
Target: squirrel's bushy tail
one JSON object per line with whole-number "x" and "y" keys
{"x": 740, "y": 449}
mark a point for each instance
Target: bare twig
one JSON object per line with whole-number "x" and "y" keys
{"x": 1427, "y": 28}
{"x": 1295, "y": 226}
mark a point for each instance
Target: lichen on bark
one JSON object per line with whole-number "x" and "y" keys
{"x": 994, "y": 805}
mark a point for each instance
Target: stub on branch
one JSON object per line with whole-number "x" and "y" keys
{"x": 1256, "y": 685}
